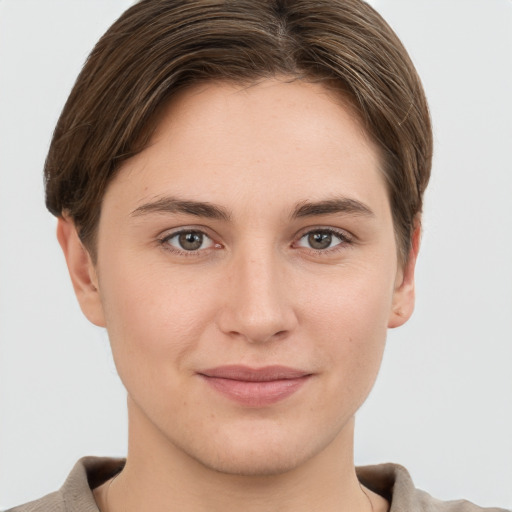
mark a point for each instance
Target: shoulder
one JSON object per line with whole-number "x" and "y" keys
{"x": 430, "y": 504}
{"x": 76, "y": 493}
{"x": 53, "y": 502}
{"x": 395, "y": 483}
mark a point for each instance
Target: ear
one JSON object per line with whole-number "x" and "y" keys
{"x": 404, "y": 294}
{"x": 81, "y": 270}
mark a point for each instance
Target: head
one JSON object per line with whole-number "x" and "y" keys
{"x": 157, "y": 49}
{"x": 240, "y": 183}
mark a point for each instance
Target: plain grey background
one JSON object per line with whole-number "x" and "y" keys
{"x": 442, "y": 404}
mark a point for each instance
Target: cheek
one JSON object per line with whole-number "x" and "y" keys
{"x": 354, "y": 302}
{"x": 154, "y": 317}
{"x": 348, "y": 318}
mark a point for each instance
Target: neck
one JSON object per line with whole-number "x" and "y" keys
{"x": 158, "y": 473}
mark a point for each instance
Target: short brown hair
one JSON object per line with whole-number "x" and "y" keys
{"x": 158, "y": 47}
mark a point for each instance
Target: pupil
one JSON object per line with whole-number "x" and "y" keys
{"x": 320, "y": 240}
{"x": 191, "y": 241}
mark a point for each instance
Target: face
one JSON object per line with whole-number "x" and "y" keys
{"x": 247, "y": 273}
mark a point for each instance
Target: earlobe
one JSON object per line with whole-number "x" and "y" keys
{"x": 81, "y": 270}
{"x": 404, "y": 294}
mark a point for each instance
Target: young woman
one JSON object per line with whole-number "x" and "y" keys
{"x": 238, "y": 188}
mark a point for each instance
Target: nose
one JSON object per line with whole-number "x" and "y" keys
{"x": 258, "y": 299}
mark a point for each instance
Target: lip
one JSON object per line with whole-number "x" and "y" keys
{"x": 255, "y": 387}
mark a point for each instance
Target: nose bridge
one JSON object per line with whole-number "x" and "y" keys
{"x": 258, "y": 305}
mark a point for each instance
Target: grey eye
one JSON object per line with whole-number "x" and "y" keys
{"x": 321, "y": 239}
{"x": 190, "y": 241}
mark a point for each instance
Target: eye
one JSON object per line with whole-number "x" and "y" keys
{"x": 322, "y": 239}
{"x": 189, "y": 240}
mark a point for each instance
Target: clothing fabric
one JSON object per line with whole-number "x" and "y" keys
{"x": 391, "y": 481}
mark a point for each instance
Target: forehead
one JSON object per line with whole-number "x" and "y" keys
{"x": 300, "y": 115}
{"x": 295, "y": 138}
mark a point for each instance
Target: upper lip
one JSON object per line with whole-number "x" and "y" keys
{"x": 248, "y": 374}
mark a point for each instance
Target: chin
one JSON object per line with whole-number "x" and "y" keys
{"x": 254, "y": 462}
{"x": 262, "y": 452}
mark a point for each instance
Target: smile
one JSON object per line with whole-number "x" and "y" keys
{"x": 255, "y": 387}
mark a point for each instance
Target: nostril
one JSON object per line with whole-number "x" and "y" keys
{"x": 259, "y": 336}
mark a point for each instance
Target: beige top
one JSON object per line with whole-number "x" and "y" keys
{"x": 389, "y": 480}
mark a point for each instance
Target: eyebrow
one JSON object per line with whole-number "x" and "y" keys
{"x": 164, "y": 205}
{"x": 331, "y": 206}
{"x": 173, "y": 205}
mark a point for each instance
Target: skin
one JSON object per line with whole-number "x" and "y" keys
{"x": 255, "y": 293}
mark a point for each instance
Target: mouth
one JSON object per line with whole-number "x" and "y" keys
{"x": 255, "y": 387}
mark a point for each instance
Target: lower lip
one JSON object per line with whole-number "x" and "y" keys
{"x": 256, "y": 394}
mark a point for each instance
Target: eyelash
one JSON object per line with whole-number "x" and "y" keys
{"x": 344, "y": 240}
{"x": 164, "y": 242}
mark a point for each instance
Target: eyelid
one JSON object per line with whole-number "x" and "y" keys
{"x": 346, "y": 238}
{"x": 168, "y": 234}
{"x": 328, "y": 229}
